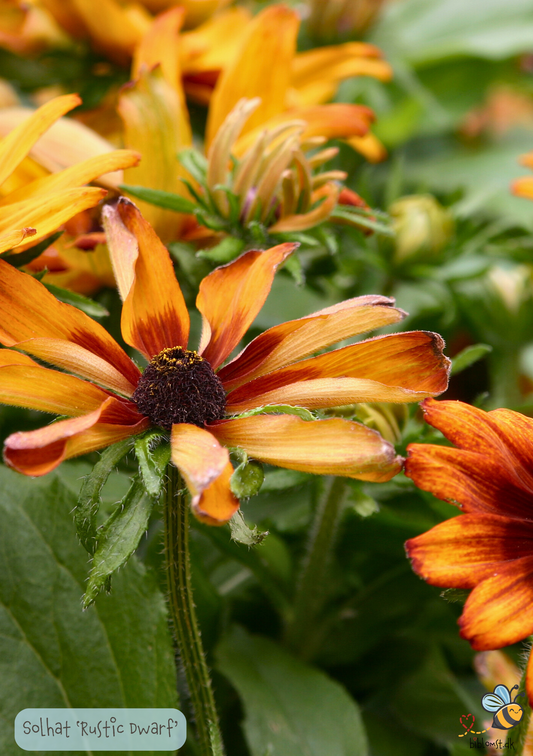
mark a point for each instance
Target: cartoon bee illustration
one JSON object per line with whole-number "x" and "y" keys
{"x": 507, "y": 713}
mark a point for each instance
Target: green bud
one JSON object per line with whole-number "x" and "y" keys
{"x": 422, "y": 227}
{"x": 247, "y": 479}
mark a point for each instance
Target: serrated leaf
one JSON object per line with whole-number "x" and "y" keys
{"x": 289, "y": 706}
{"x": 153, "y": 458}
{"x": 88, "y": 306}
{"x": 118, "y": 538}
{"x": 243, "y": 533}
{"x": 91, "y": 491}
{"x": 17, "y": 259}
{"x": 226, "y": 251}
{"x": 167, "y": 200}
{"x": 117, "y": 654}
{"x": 469, "y": 356}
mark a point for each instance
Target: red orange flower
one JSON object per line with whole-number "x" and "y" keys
{"x": 115, "y": 401}
{"x": 488, "y": 549}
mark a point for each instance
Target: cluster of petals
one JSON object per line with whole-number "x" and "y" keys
{"x": 489, "y": 548}
{"x": 274, "y": 369}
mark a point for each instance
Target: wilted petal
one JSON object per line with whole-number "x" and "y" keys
{"x": 154, "y": 314}
{"x": 286, "y": 343}
{"x": 206, "y": 468}
{"x": 323, "y": 447}
{"x": 29, "y": 312}
{"x": 231, "y": 296}
{"x": 40, "y": 451}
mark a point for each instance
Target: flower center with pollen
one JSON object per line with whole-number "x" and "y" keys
{"x": 179, "y": 386}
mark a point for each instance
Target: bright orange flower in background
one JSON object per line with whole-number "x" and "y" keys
{"x": 180, "y": 391}
{"x": 523, "y": 187}
{"x": 489, "y": 548}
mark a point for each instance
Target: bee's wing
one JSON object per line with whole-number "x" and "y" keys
{"x": 492, "y": 702}
{"x": 503, "y": 693}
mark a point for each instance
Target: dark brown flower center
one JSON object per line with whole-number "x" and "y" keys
{"x": 179, "y": 386}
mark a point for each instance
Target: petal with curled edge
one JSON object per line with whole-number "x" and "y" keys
{"x": 288, "y": 342}
{"x": 323, "y": 447}
{"x": 28, "y": 311}
{"x": 463, "y": 551}
{"x": 231, "y": 296}
{"x": 41, "y": 451}
{"x": 17, "y": 144}
{"x": 499, "y": 611}
{"x": 154, "y": 314}
{"x": 401, "y": 367}
{"x": 206, "y": 469}
{"x": 260, "y": 68}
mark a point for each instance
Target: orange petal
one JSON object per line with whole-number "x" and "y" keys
{"x": 302, "y": 221}
{"x": 154, "y": 315}
{"x": 160, "y": 46}
{"x": 11, "y": 239}
{"x": 15, "y": 146}
{"x": 211, "y": 46}
{"x": 38, "y": 388}
{"x": 156, "y": 125}
{"x": 499, "y": 611}
{"x": 463, "y": 551}
{"x": 12, "y": 357}
{"x": 231, "y": 296}
{"x": 206, "y": 468}
{"x": 40, "y": 451}
{"x": 46, "y": 214}
{"x": 289, "y": 342}
{"x": 28, "y": 311}
{"x": 529, "y": 679}
{"x": 260, "y": 68}
{"x": 523, "y": 187}
{"x": 323, "y": 447}
{"x": 369, "y": 146}
{"x": 401, "y": 367}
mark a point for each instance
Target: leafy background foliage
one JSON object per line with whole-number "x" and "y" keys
{"x": 382, "y": 670}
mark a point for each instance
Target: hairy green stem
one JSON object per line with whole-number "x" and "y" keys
{"x": 311, "y": 588}
{"x": 184, "y": 620}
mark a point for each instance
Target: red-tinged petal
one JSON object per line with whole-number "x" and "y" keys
{"x": 38, "y": 388}
{"x": 154, "y": 315}
{"x": 206, "y": 468}
{"x": 499, "y": 611}
{"x": 38, "y": 452}
{"x": 323, "y": 447}
{"x": 15, "y": 146}
{"x": 402, "y": 367}
{"x": 463, "y": 551}
{"x": 29, "y": 312}
{"x": 478, "y": 482}
{"x": 529, "y": 679}
{"x": 231, "y": 296}
{"x": 289, "y": 342}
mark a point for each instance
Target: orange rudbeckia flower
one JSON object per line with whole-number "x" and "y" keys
{"x": 191, "y": 394}
{"x": 488, "y": 549}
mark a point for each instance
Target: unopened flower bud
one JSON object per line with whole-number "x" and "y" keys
{"x": 422, "y": 227}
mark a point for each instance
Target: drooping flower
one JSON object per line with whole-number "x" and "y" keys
{"x": 489, "y": 548}
{"x": 193, "y": 394}
{"x": 37, "y": 207}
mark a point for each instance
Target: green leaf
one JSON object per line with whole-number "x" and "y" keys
{"x": 153, "y": 458}
{"x": 118, "y": 538}
{"x": 294, "y": 266}
{"x": 168, "y": 200}
{"x": 289, "y": 707}
{"x": 91, "y": 491}
{"x": 17, "y": 259}
{"x": 469, "y": 356}
{"x": 88, "y": 306}
{"x": 247, "y": 479}
{"x": 195, "y": 163}
{"x": 278, "y": 409}
{"x": 243, "y": 533}
{"x": 228, "y": 249}
{"x": 117, "y": 654}
{"x": 359, "y": 220}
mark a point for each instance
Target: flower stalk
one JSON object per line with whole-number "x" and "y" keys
{"x": 184, "y": 619}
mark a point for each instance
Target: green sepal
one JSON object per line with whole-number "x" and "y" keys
{"x": 278, "y": 409}
{"x": 118, "y": 538}
{"x": 167, "y": 200}
{"x": 469, "y": 356}
{"x": 233, "y": 201}
{"x": 356, "y": 218}
{"x": 294, "y": 265}
{"x": 153, "y": 458}
{"x": 86, "y": 305}
{"x": 247, "y": 479}
{"x": 17, "y": 259}
{"x": 89, "y": 496}
{"x": 213, "y": 222}
{"x": 297, "y": 236}
{"x": 243, "y": 533}
{"x": 455, "y": 595}
{"x": 226, "y": 251}
{"x": 194, "y": 163}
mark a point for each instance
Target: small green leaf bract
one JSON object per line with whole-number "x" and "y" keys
{"x": 469, "y": 356}
{"x": 86, "y": 305}
{"x": 167, "y": 200}
{"x": 153, "y": 458}
{"x": 243, "y": 533}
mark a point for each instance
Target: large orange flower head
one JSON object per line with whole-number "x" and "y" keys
{"x": 488, "y": 549}
{"x": 205, "y": 405}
